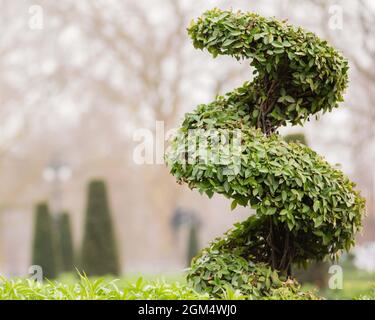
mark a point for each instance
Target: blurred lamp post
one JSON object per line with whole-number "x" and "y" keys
{"x": 56, "y": 174}
{"x": 190, "y": 220}
{"x": 183, "y": 217}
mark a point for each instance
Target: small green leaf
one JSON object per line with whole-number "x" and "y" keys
{"x": 233, "y": 205}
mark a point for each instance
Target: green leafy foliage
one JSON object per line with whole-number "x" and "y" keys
{"x": 290, "y": 187}
{"x": 215, "y": 270}
{"x": 238, "y": 261}
{"x": 99, "y": 254}
{"x": 65, "y": 243}
{"x": 297, "y": 74}
{"x": 314, "y": 272}
{"x": 44, "y": 243}
{"x": 305, "y": 209}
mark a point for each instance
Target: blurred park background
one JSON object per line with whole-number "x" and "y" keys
{"x": 79, "y": 78}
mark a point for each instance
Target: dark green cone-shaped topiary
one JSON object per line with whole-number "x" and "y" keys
{"x": 44, "y": 244}
{"x": 305, "y": 209}
{"x": 99, "y": 254}
{"x": 65, "y": 243}
{"x": 296, "y": 137}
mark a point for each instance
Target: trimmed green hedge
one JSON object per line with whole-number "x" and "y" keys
{"x": 99, "y": 253}
{"x": 44, "y": 249}
{"x": 65, "y": 243}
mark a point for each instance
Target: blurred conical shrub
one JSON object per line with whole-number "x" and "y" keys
{"x": 99, "y": 254}
{"x": 65, "y": 243}
{"x": 193, "y": 243}
{"x": 44, "y": 250}
{"x": 296, "y": 137}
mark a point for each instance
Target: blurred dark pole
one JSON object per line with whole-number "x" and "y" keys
{"x": 56, "y": 173}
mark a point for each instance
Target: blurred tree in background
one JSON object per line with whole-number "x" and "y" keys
{"x": 44, "y": 245}
{"x": 99, "y": 254}
{"x": 296, "y": 137}
{"x": 65, "y": 243}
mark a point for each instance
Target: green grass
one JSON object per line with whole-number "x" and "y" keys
{"x": 69, "y": 288}
{"x": 357, "y": 284}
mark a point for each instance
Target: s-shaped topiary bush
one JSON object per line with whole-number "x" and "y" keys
{"x": 305, "y": 209}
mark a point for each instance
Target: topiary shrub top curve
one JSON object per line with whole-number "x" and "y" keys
{"x": 297, "y": 74}
{"x": 305, "y": 208}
